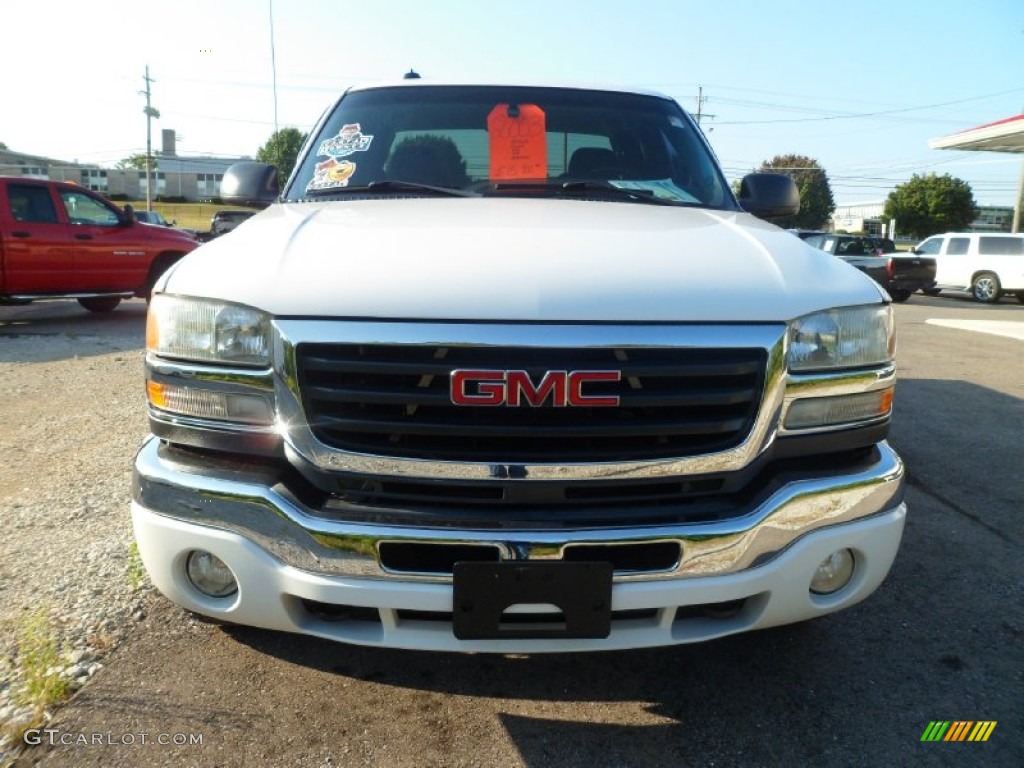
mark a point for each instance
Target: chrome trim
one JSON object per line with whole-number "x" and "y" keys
{"x": 250, "y": 502}
{"x": 221, "y": 377}
{"x": 300, "y": 440}
{"x": 831, "y": 384}
{"x": 74, "y": 295}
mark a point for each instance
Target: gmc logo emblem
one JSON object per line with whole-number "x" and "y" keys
{"x": 515, "y": 388}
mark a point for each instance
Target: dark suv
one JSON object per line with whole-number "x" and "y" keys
{"x": 224, "y": 221}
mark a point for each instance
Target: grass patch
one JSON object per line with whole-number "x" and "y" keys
{"x": 188, "y": 215}
{"x": 37, "y": 682}
{"x": 136, "y": 570}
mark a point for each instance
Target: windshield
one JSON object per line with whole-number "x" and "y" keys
{"x": 510, "y": 141}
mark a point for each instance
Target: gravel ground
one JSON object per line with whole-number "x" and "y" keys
{"x": 66, "y": 554}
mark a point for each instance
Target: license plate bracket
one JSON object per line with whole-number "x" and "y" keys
{"x": 483, "y": 591}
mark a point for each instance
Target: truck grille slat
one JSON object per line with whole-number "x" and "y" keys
{"x": 330, "y": 424}
{"x": 394, "y": 400}
{"x": 437, "y": 395}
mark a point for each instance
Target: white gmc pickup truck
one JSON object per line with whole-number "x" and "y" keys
{"x": 508, "y": 368}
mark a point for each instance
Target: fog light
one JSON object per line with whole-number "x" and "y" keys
{"x": 834, "y": 573}
{"x": 210, "y": 575}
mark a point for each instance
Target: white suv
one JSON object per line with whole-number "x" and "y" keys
{"x": 987, "y": 265}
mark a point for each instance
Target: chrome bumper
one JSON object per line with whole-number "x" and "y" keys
{"x": 246, "y": 501}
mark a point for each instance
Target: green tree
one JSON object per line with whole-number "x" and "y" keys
{"x": 929, "y": 204}
{"x": 137, "y": 162}
{"x": 2, "y": 145}
{"x": 816, "y": 202}
{"x": 281, "y": 150}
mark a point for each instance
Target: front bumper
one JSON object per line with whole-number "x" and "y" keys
{"x": 303, "y": 570}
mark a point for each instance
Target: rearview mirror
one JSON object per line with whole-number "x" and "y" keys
{"x": 251, "y": 184}
{"x": 769, "y": 195}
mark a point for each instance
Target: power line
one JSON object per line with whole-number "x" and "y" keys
{"x": 879, "y": 113}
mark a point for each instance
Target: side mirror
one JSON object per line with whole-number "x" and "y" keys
{"x": 251, "y": 184}
{"x": 769, "y": 195}
{"x": 129, "y": 216}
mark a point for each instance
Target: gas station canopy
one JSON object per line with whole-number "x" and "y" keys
{"x": 1001, "y": 136}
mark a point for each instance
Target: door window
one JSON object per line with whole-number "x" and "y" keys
{"x": 83, "y": 209}
{"x": 1001, "y": 246}
{"x": 30, "y": 203}
{"x": 958, "y": 246}
{"x": 930, "y": 247}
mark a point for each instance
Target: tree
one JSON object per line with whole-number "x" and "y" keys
{"x": 135, "y": 161}
{"x": 2, "y": 145}
{"x": 282, "y": 149}
{"x": 816, "y": 203}
{"x": 929, "y": 204}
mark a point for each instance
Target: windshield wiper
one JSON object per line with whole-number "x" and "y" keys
{"x": 585, "y": 187}
{"x": 391, "y": 185}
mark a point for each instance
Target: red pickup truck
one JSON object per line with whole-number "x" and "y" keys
{"x": 61, "y": 241}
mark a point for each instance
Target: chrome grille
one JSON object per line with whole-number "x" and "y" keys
{"x": 393, "y": 400}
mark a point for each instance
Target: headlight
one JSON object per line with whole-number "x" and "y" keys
{"x": 850, "y": 337}
{"x": 207, "y": 331}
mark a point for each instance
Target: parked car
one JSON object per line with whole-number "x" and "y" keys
{"x": 986, "y": 264}
{"x": 62, "y": 241}
{"x": 900, "y": 275}
{"x": 225, "y": 221}
{"x": 157, "y": 219}
{"x": 153, "y": 217}
{"x": 849, "y": 245}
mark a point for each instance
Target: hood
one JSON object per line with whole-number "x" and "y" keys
{"x": 497, "y": 259}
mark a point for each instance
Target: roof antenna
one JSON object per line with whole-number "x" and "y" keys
{"x": 412, "y": 74}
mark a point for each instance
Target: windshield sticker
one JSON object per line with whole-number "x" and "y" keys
{"x": 349, "y": 139}
{"x": 331, "y": 174}
{"x": 519, "y": 148}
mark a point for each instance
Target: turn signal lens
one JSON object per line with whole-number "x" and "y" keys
{"x": 841, "y": 409}
{"x": 208, "y": 404}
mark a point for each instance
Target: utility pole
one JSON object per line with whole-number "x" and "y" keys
{"x": 1018, "y": 207}
{"x": 150, "y": 112}
{"x": 273, "y": 62}
{"x": 701, "y": 98}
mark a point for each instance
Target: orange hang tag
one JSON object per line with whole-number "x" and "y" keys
{"x": 518, "y": 139}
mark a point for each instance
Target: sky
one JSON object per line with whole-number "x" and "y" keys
{"x": 859, "y": 86}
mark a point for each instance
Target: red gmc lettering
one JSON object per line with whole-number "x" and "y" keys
{"x": 486, "y": 393}
{"x": 519, "y": 383}
{"x": 577, "y": 380}
{"x": 514, "y": 388}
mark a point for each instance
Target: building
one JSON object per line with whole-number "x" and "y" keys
{"x": 867, "y": 218}
{"x": 195, "y": 179}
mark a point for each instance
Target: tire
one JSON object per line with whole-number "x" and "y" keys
{"x": 900, "y": 295}
{"x": 986, "y": 288}
{"x": 158, "y": 267}
{"x": 100, "y": 303}
{"x": 931, "y": 291}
